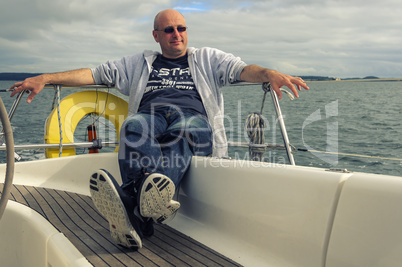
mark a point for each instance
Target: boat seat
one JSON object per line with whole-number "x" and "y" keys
{"x": 260, "y": 214}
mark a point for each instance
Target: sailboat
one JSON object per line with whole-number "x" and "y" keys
{"x": 233, "y": 212}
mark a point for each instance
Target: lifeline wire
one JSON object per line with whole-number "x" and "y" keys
{"x": 348, "y": 154}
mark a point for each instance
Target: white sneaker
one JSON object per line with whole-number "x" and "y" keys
{"x": 112, "y": 203}
{"x": 155, "y": 197}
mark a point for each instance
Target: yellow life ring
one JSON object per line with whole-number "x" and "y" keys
{"x": 73, "y": 108}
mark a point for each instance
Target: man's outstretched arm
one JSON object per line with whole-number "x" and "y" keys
{"x": 36, "y": 84}
{"x": 257, "y": 74}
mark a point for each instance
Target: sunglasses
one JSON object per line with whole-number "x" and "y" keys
{"x": 171, "y": 29}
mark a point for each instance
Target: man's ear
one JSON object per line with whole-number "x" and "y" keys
{"x": 155, "y": 35}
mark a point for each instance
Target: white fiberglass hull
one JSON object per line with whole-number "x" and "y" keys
{"x": 257, "y": 214}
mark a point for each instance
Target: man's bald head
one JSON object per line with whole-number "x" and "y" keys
{"x": 165, "y": 13}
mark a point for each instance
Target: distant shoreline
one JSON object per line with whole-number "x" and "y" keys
{"x": 360, "y": 80}
{"x": 15, "y": 76}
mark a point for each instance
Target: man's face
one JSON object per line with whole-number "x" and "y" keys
{"x": 174, "y": 44}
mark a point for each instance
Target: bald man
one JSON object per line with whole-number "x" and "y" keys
{"x": 175, "y": 113}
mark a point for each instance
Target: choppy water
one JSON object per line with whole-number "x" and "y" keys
{"x": 361, "y": 118}
{"x": 346, "y": 117}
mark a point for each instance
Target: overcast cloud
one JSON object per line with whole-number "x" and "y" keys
{"x": 352, "y": 38}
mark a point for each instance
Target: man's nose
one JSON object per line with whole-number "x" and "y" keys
{"x": 176, "y": 33}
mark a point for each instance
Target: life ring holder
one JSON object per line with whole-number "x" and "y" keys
{"x": 76, "y": 106}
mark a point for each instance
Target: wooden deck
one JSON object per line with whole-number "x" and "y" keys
{"x": 77, "y": 218}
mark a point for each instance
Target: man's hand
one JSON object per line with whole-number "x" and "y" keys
{"x": 257, "y": 74}
{"x": 33, "y": 84}
{"x": 277, "y": 80}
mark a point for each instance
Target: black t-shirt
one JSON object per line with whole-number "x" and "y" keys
{"x": 171, "y": 84}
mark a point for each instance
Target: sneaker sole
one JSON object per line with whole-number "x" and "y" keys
{"x": 108, "y": 202}
{"x": 155, "y": 198}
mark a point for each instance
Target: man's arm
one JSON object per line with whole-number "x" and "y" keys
{"x": 257, "y": 74}
{"x": 36, "y": 84}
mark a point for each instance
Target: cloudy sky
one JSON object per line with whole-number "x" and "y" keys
{"x": 340, "y": 38}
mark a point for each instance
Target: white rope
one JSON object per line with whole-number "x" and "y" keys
{"x": 255, "y": 126}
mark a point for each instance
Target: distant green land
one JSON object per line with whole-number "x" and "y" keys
{"x": 16, "y": 76}
{"x": 326, "y": 78}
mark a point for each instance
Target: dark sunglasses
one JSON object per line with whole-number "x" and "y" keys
{"x": 171, "y": 29}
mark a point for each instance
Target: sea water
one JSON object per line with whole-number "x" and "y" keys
{"x": 350, "y": 120}
{"x": 341, "y": 124}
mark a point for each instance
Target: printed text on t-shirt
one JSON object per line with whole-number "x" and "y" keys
{"x": 170, "y": 78}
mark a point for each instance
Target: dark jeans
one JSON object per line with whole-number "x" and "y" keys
{"x": 162, "y": 140}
